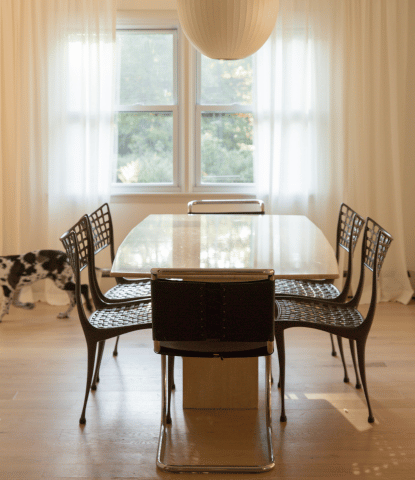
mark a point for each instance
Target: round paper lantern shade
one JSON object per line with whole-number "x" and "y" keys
{"x": 227, "y": 29}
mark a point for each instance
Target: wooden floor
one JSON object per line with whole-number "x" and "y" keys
{"x": 42, "y": 381}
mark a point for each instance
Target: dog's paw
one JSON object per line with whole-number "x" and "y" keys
{"x": 63, "y": 315}
{"x": 26, "y": 306}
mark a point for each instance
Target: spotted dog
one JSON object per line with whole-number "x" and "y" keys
{"x": 18, "y": 271}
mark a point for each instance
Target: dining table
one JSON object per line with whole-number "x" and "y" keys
{"x": 223, "y": 247}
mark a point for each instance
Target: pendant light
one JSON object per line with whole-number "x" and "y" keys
{"x": 227, "y": 29}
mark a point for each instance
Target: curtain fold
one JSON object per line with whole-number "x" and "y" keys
{"x": 80, "y": 106}
{"x": 56, "y": 93}
{"x": 375, "y": 54}
{"x": 330, "y": 103}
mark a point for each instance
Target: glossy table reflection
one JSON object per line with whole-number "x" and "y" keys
{"x": 291, "y": 245}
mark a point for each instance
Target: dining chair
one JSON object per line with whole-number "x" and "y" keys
{"x": 213, "y": 319}
{"x": 85, "y": 233}
{"x": 341, "y": 319}
{"x": 107, "y": 321}
{"x": 238, "y": 206}
{"x": 242, "y": 206}
{"x": 102, "y": 232}
{"x": 349, "y": 226}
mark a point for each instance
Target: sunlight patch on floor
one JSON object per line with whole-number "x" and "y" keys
{"x": 356, "y": 416}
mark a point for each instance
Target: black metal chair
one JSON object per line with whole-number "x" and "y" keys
{"x": 239, "y": 206}
{"x": 84, "y": 232}
{"x": 102, "y": 233}
{"x": 349, "y": 226}
{"x": 103, "y": 237}
{"x": 341, "y": 319}
{"x": 107, "y": 321}
{"x": 213, "y": 319}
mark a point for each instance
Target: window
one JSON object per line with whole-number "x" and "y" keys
{"x": 169, "y": 139}
{"x": 224, "y": 122}
{"x": 146, "y": 111}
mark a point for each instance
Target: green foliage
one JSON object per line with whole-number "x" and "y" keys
{"x": 146, "y": 68}
{"x": 226, "y": 82}
{"x": 145, "y": 144}
{"x": 227, "y": 148}
{"x": 145, "y": 139}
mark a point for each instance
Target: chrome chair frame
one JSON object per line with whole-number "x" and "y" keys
{"x": 161, "y": 461}
{"x": 242, "y": 201}
{"x": 217, "y": 348}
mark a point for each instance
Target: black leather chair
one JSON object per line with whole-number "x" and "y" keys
{"x": 213, "y": 319}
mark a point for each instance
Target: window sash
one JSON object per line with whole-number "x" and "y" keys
{"x": 175, "y": 186}
{"x": 198, "y": 109}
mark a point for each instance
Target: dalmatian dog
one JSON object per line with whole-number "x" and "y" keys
{"x": 18, "y": 271}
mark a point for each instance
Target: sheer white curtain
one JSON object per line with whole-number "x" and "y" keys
{"x": 80, "y": 100}
{"x": 330, "y": 86}
{"x": 56, "y": 122}
{"x": 375, "y": 54}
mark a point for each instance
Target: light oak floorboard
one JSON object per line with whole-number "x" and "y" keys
{"x": 42, "y": 384}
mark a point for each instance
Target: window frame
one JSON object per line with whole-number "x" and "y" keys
{"x": 176, "y": 186}
{"x": 187, "y": 127}
{"x": 198, "y": 186}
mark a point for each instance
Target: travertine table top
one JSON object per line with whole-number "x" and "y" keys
{"x": 290, "y": 245}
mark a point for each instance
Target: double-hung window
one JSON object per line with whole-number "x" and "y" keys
{"x": 224, "y": 146}
{"x": 147, "y": 150}
{"x": 184, "y": 122}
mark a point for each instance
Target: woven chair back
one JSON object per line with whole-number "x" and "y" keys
{"x": 102, "y": 229}
{"x": 349, "y": 226}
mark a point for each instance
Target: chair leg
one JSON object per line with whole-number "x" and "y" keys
{"x": 173, "y": 385}
{"x": 166, "y": 437}
{"x": 346, "y": 376}
{"x": 163, "y": 390}
{"x": 361, "y": 344}
{"x": 279, "y": 340}
{"x": 115, "y": 352}
{"x": 268, "y": 405}
{"x": 333, "y": 348}
{"x": 170, "y": 383}
{"x": 92, "y": 348}
{"x": 353, "y": 352}
{"x": 101, "y": 346}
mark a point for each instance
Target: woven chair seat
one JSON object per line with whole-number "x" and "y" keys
{"x": 306, "y": 312}
{"x": 122, "y": 316}
{"x": 129, "y": 290}
{"x": 306, "y": 288}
